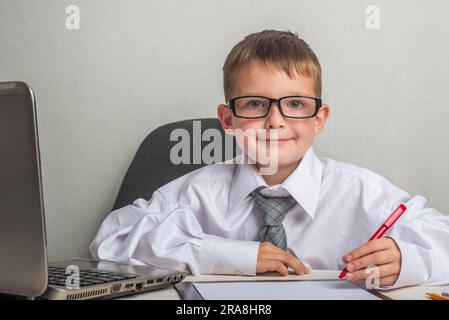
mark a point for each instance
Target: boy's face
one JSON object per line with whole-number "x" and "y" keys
{"x": 295, "y": 136}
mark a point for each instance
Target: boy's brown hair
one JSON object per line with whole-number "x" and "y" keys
{"x": 281, "y": 48}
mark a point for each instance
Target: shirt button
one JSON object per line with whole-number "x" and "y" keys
{"x": 216, "y": 269}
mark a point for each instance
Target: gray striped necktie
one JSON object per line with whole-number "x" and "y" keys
{"x": 273, "y": 210}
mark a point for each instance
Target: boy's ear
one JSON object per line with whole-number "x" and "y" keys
{"x": 321, "y": 117}
{"x": 225, "y": 116}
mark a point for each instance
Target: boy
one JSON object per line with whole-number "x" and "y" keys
{"x": 311, "y": 213}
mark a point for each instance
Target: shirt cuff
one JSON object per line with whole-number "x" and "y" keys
{"x": 413, "y": 272}
{"x": 226, "y": 256}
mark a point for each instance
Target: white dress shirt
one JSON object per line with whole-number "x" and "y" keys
{"x": 206, "y": 221}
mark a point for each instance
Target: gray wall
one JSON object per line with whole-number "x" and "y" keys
{"x": 135, "y": 65}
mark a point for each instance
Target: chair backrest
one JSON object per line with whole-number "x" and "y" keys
{"x": 152, "y": 166}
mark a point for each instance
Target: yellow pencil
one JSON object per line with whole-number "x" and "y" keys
{"x": 436, "y": 296}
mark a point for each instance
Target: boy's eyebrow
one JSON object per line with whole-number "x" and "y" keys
{"x": 297, "y": 93}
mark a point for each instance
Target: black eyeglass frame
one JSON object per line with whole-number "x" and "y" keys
{"x": 231, "y": 105}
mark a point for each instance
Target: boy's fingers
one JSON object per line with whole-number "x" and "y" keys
{"x": 269, "y": 251}
{"x": 281, "y": 268}
{"x": 287, "y": 259}
{"x": 292, "y": 262}
{"x": 388, "y": 281}
{"x": 367, "y": 248}
{"x": 273, "y": 265}
{"x": 373, "y": 259}
{"x": 297, "y": 265}
{"x": 383, "y": 271}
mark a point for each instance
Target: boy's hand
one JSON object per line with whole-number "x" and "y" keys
{"x": 272, "y": 258}
{"x": 383, "y": 253}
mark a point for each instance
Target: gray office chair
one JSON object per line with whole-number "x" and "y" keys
{"x": 151, "y": 167}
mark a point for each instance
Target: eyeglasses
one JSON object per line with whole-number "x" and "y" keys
{"x": 254, "y": 107}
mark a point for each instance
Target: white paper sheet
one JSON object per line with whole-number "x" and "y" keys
{"x": 283, "y": 290}
{"x": 314, "y": 274}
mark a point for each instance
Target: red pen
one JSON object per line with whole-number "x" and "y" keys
{"x": 384, "y": 228}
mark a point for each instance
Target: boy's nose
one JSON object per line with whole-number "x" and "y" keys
{"x": 275, "y": 119}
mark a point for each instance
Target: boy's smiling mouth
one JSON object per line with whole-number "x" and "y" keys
{"x": 275, "y": 141}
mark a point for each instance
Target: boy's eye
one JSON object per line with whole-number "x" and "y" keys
{"x": 295, "y": 104}
{"x": 255, "y": 104}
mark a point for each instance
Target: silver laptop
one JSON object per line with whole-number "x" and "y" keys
{"x": 24, "y": 268}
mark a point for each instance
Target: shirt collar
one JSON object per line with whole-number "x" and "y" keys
{"x": 303, "y": 184}
{"x": 246, "y": 180}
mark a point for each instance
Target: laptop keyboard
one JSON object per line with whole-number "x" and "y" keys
{"x": 57, "y": 276}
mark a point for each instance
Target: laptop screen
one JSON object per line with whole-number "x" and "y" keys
{"x": 23, "y": 267}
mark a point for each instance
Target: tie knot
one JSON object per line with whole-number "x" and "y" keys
{"x": 273, "y": 209}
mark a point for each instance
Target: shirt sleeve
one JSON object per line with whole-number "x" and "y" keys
{"x": 422, "y": 235}
{"x": 168, "y": 235}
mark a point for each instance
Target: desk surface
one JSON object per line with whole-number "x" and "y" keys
{"x": 170, "y": 293}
